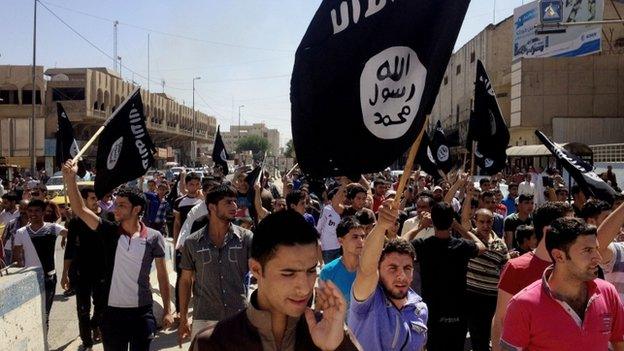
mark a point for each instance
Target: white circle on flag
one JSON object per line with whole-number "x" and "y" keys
{"x": 430, "y": 155}
{"x": 488, "y": 162}
{"x": 391, "y": 86}
{"x": 443, "y": 153}
{"x": 114, "y": 153}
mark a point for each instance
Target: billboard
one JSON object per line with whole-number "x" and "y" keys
{"x": 575, "y": 41}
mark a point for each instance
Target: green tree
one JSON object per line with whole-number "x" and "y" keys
{"x": 254, "y": 143}
{"x": 290, "y": 149}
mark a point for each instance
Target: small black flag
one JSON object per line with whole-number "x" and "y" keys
{"x": 219, "y": 155}
{"x": 440, "y": 149}
{"x": 426, "y": 160}
{"x": 66, "y": 145}
{"x": 366, "y": 75}
{"x": 125, "y": 149}
{"x": 581, "y": 171}
{"x": 252, "y": 178}
{"x": 487, "y": 126}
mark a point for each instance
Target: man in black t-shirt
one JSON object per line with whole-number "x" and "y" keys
{"x": 443, "y": 261}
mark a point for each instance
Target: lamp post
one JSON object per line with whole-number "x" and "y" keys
{"x": 194, "y": 143}
{"x": 120, "y": 66}
{"x": 239, "y": 117}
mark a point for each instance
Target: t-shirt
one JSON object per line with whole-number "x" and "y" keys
{"x": 512, "y": 222}
{"x": 21, "y": 238}
{"x": 153, "y": 202}
{"x": 498, "y": 224}
{"x": 520, "y": 272}
{"x": 443, "y": 268}
{"x": 327, "y": 228}
{"x": 184, "y": 204}
{"x": 511, "y": 205}
{"x": 484, "y": 270}
{"x": 43, "y": 240}
{"x": 129, "y": 259}
{"x": 336, "y": 272}
{"x": 84, "y": 247}
{"x": 614, "y": 268}
{"x": 7, "y": 216}
{"x": 378, "y": 201}
{"x": 310, "y": 219}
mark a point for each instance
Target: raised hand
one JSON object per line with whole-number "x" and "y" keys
{"x": 328, "y": 333}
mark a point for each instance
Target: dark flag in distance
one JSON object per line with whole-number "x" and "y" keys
{"x": 219, "y": 154}
{"x": 426, "y": 160}
{"x": 581, "y": 171}
{"x": 125, "y": 148}
{"x": 440, "y": 149}
{"x": 487, "y": 126}
{"x": 66, "y": 145}
{"x": 252, "y": 178}
{"x": 366, "y": 75}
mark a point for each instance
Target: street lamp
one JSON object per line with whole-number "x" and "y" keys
{"x": 194, "y": 143}
{"x": 239, "y": 124}
{"x": 120, "y": 66}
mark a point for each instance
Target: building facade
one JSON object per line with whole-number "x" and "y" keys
{"x": 230, "y": 139}
{"x": 89, "y": 96}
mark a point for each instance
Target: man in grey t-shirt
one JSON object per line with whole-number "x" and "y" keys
{"x": 216, "y": 257}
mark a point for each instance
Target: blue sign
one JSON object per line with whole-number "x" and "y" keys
{"x": 551, "y": 11}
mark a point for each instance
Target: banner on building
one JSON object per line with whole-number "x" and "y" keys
{"x": 576, "y": 41}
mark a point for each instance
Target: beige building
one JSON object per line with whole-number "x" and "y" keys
{"x": 89, "y": 96}
{"x": 230, "y": 139}
{"x": 570, "y": 99}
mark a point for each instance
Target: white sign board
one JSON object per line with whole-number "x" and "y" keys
{"x": 576, "y": 41}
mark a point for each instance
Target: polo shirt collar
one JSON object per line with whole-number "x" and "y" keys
{"x": 592, "y": 287}
{"x": 142, "y": 231}
{"x": 412, "y": 299}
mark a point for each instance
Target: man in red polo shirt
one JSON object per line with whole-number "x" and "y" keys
{"x": 568, "y": 309}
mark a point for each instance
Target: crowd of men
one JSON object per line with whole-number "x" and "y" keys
{"x": 335, "y": 264}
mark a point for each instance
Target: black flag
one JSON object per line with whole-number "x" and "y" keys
{"x": 125, "y": 149}
{"x": 487, "y": 126}
{"x": 581, "y": 171}
{"x": 253, "y": 177}
{"x": 66, "y": 145}
{"x": 440, "y": 149}
{"x": 426, "y": 160}
{"x": 219, "y": 155}
{"x": 365, "y": 76}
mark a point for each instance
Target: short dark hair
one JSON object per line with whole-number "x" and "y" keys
{"x": 219, "y": 193}
{"x": 192, "y": 176}
{"x": 398, "y": 245}
{"x": 10, "y": 196}
{"x": 287, "y": 228}
{"x": 379, "y": 181}
{"x": 332, "y": 192}
{"x": 428, "y": 199}
{"x": 593, "y": 208}
{"x": 84, "y": 192}
{"x": 563, "y": 233}
{"x": 485, "y": 194}
{"x": 353, "y": 189}
{"x": 442, "y": 215}
{"x": 512, "y": 185}
{"x": 365, "y": 216}
{"x": 525, "y": 197}
{"x": 484, "y": 180}
{"x": 294, "y": 197}
{"x": 346, "y": 224}
{"x": 134, "y": 195}
{"x": 524, "y": 232}
{"x": 546, "y": 214}
{"x": 37, "y": 203}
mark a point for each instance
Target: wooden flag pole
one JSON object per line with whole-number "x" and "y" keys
{"x": 408, "y": 166}
{"x": 472, "y": 158}
{"x": 292, "y": 169}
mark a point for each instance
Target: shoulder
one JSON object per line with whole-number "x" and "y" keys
{"x": 331, "y": 266}
{"x": 245, "y": 234}
{"x": 218, "y": 336}
{"x": 529, "y": 296}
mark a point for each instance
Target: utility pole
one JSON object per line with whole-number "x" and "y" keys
{"x": 120, "y": 66}
{"x": 33, "y": 155}
{"x": 148, "y": 64}
{"x": 115, "y": 56}
{"x": 239, "y": 123}
{"x": 194, "y": 143}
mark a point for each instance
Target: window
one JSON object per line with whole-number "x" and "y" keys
{"x": 445, "y": 80}
{"x": 27, "y": 97}
{"x": 458, "y": 71}
{"x": 8, "y": 97}
{"x": 500, "y": 95}
{"x": 472, "y": 56}
{"x": 68, "y": 94}
{"x": 619, "y": 42}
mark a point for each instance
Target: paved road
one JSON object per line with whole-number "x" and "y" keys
{"x": 63, "y": 333}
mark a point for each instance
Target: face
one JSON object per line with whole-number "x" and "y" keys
{"x": 241, "y": 184}
{"x": 225, "y": 209}
{"x": 151, "y": 186}
{"x": 193, "y": 186}
{"x": 486, "y": 186}
{"x": 597, "y": 221}
{"x": 581, "y": 263}
{"x": 8, "y": 204}
{"x": 124, "y": 210}
{"x": 286, "y": 282}
{"x": 438, "y": 195}
{"x": 489, "y": 203}
{"x": 484, "y": 224}
{"x": 38, "y": 194}
{"x": 162, "y": 191}
{"x": 35, "y": 214}
{"x": 526, "y": 206}
{"x": 300, "y": 207}
{"x": 353, "y": 242}
{"x": 359, "y": 201}
{"x": 396, "y": 274}
{"x": 380, "y": 189}
{"x": 280, "y": 205}
{"x": 91, "y": 202}
{"x": 498, "y": 196}
{"x": 422, "y": 206}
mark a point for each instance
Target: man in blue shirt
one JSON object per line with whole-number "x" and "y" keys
{"x": 296, "y": 200}
{"x": 385, "y": 313}
{"x": 510, "y": 200}
{"x": 341, "y": 271}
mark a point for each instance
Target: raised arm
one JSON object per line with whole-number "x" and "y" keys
{"x": 78, "y": 206}
{"x": 367, "y": 276}
{"x": 608, "y": 230}
{"x": 459, "y": 184}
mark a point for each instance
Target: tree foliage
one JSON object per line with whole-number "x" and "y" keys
{"x": 254, "y": 143}
{"x": 290, "y": 149}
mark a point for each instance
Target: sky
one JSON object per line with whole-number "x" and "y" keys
{"x": 243, "y": 50}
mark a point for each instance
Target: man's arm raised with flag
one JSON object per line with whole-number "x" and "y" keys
{"x": 78, "y": 205}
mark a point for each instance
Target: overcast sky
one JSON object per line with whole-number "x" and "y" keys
{"x": 243, "y": 50}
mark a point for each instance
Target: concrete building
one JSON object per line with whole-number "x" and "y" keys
{"x": 230, "y": 139}
{"x": 89, "y": 96}
{"x": 570, "y": 99}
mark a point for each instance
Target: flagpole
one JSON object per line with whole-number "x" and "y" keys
{"x": 472, "y": 158}
{"x": 86, "y": 146}
{"x": 408, "y": 166}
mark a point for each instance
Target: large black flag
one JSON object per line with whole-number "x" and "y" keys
{"x": 440, "y": 149}
{"x": 487, "y": 126}
{"x": 66, "y": 145}
{"x": 125, "y": 149}
{"x": 219, "y": 155}
{"x": 581, "y": 171}
{"x": 365, "y": 76}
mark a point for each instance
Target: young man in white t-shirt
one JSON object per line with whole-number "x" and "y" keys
{"x": 326, "y": 226}
{"x": 34, "y": 246}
